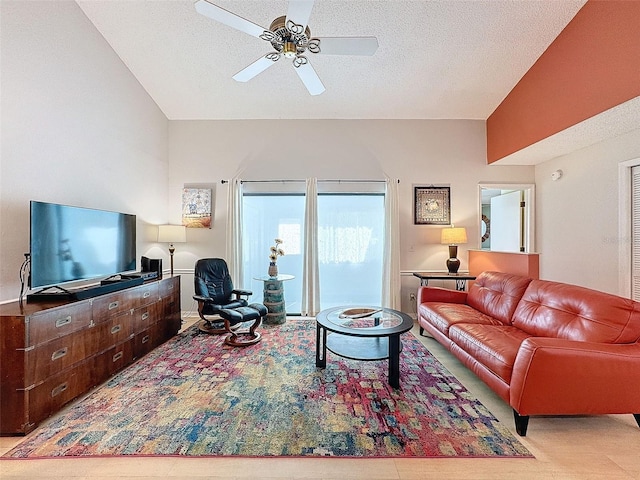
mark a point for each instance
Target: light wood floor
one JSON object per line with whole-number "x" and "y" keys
{"x": 566, "y": 448}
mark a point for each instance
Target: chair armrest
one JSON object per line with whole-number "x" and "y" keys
{"x": 239, "y": 292}
{"x": 438, "y": 294}
{"x": 564, "y": 377}
{"x": 201, "y": 298}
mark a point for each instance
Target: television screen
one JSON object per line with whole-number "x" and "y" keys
{"x": 73, "y": 243}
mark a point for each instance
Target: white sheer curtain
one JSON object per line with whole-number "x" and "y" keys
{"x": 234, "y": 231}
{"x": 310, "y": 267}
{"x": 391, "y": 267}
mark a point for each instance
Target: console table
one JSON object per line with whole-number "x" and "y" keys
{"x": 460, "y": 278}
{"x": 53, "y": 352}
{"x": 274, "y": 298}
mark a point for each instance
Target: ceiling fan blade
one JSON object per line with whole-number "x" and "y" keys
{"x": 299, "y": 12}
{"x": 254, "y": 69}
{"x": 310, "y": 79}
{"x": 232, "y": 20}
{"x": 348, "y": 45}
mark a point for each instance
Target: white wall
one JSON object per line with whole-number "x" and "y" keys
{"x": 418, "y": 152}
{"x": 577, "y": 216}
{"x": 77, "y": 128}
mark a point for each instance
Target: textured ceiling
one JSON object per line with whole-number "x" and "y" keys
{"x": 436, "y": 59}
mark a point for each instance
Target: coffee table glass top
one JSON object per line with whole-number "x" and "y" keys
{"x": 361, "y": 318}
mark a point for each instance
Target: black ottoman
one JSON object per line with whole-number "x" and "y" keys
{"x": 232, "y": 317}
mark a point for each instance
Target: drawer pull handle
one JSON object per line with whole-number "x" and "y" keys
{"x": 115, "y": 329}
{"x": 61, "y": 322}
{"x": 146, "y": 295}
{"x": 118, "y": 356}
{"x": 145, "y": 315}
{"x": 59, "y": 353}
{"x": 59, "y": 389}
{"x": 145, "y": 339}
{"x": 113, "y": 305}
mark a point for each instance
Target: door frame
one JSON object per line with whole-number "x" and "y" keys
{"x": 529, "y": 190}
{"x": 624, "y": 226}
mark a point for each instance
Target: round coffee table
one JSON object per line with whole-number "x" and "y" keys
{"x": 362, "y": 333}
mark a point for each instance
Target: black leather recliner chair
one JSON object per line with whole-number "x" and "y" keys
{"x": 222, "y": 307}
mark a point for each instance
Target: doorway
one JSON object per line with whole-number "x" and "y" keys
{"x": 506, "y": 217}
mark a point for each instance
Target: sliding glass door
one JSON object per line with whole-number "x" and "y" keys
{"x": 350, "y": 248}
{"x": 265, "y": 218}
{"x": 350, "y": 245}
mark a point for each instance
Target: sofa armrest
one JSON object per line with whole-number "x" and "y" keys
{"x": 438, "y": 294}
{"x": 564, "y": 377}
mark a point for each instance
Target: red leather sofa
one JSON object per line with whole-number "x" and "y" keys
{"x": 546, "y": 348}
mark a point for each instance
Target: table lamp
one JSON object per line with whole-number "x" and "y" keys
{"x": 453, "y": 236}
{"x": 172, "y": 234}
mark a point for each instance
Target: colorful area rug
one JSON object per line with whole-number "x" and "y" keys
{"x": 195, "y": 396}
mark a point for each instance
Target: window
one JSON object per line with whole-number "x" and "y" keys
{"x": 350, "y": 245}
{"x": 350, "y": 248}
{"x": 265, "y": 218}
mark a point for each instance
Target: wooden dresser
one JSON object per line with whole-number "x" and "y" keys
{"x": 50, "y": 353}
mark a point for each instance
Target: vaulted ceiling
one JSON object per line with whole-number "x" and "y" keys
{"x": 448, "y": 59}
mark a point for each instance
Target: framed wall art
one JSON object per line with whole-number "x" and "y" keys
{"x": 432, "y": 205}
{"x": 197, "y": 205}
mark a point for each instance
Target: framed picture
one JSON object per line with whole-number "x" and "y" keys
{"x": 432, "y": 205}
{"x": 196, "y": 207}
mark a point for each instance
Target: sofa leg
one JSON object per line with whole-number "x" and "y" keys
{"x": 522, "y": 422}
{"x": 421, "y": 331}
{"x": 637, "y": 417}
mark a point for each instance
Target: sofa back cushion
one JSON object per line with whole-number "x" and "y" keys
{"x": 552, "y": 309}
{"x": 497, "y": 294}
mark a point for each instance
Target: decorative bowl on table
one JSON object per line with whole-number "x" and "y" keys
{"x": 358, "y": 312}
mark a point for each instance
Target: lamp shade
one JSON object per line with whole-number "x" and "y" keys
{"x": 172, "y": 234}
{"x": 453, "y": 236}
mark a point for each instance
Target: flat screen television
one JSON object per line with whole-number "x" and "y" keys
{"x": 74, "y": 243}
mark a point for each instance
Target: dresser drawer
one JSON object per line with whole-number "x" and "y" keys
{"x": 57, "y": 322}
{"x": 50, "y": 396}
{"x": 53, "y": 357}
{"x": 145, "y": 295}
{"x": 143, "y": 317}
{"x": 169, "y": 327}
{"x": 111, "y": 361}
{"x": 112, "y": 305}
{"x": 113, "y": 331}
{"x": 169, "y": 286}
{"x": 144, "y": 342}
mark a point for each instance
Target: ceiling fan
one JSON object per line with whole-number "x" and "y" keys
{"x": 290, "y": 37}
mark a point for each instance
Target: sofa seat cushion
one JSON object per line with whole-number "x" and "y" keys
{"x": 443, "y": 315}
{"x": 494, "y": 346}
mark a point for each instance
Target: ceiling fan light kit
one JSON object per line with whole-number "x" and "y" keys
{"x": 290, "y": 36}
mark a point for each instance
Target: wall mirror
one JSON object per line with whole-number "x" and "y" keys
{"x": 506, "y": 216}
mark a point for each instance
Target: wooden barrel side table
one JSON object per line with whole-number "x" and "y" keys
{"x": 273, "y": 294}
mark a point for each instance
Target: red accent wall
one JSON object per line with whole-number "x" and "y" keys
{"x": 526, "y": 264}
{"x": 592, "y": 66}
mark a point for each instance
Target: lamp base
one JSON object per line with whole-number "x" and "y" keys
{"x": 453, "y": 264}
{"x": 172, "y": 249}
